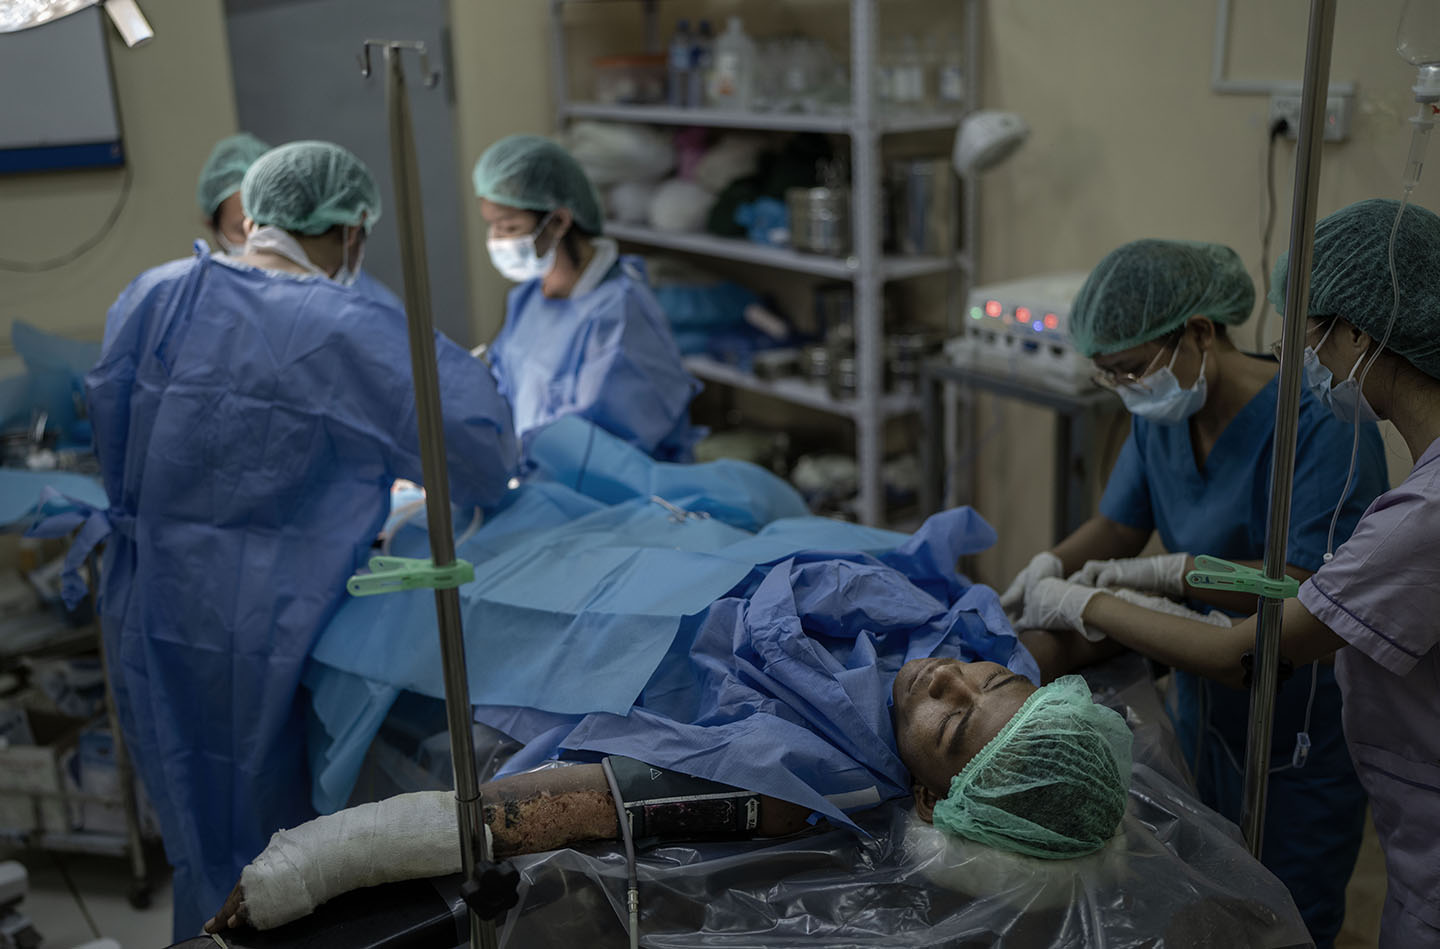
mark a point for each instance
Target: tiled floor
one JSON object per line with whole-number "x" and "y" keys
{"x": 103, "y": 886}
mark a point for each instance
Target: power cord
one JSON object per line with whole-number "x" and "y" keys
{"x": 1277, "y": 128}
{"x": 84, "y": 247}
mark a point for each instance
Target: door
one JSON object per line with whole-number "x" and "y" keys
{"x": 297, "y": 77}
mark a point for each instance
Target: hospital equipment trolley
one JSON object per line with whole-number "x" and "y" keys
{"x": 64, "y": 815}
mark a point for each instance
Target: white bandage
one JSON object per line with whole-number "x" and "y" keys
{"x": 403, "y": 838}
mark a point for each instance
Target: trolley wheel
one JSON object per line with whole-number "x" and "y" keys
{"x": 140, "y": 895}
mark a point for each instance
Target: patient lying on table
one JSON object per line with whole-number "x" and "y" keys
{"x": 1038, "y": 771}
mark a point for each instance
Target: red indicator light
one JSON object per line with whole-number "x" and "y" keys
{"x": 993, "y": 308}
{"x": 1051, "y": 321}
{"x": 1022, "y": 314}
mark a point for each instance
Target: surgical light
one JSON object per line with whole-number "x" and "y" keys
{"x": 16, "y": 15}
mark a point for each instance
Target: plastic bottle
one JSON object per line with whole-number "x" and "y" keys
{"x": 733, "y": 75}
{"x": 702, "y": 59}
{"x": 909, "y": 74}
{"x": 950, "y": 85}
{"x": 679, "y": 65}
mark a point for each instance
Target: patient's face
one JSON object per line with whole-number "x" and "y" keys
{"x": 946, "y": 711}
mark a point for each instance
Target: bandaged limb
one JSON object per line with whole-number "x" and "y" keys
{"x": 414, "y": 836}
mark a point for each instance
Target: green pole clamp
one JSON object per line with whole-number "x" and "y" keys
{"x": 1212, "y": 573}
{"x": 398, "y": 574}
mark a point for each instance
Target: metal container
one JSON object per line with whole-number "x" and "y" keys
{"x": 844, "y": 377}
{"x": 816, "y": 362}
{"x": 905, "y": 355}
{"x": 819, "y": 220}
{"x": 922, "y": 206}
{"x": 773, "y": 364}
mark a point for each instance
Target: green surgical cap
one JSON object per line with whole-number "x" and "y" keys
{"x": 1051, "y": 784}
{"x": 225, "y": 169}
{"x": 1145, "y": 289}
{"x": 534, "y": 173}
{"x": 1350, "y": 276}
{"x": 310, "y": 187}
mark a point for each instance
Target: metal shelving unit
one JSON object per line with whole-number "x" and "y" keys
{"x": 867, "y": 268}
{"x": 811, "y": 395}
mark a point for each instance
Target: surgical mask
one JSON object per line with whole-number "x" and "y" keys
{"x": 1345, "y": 399}
{"x": 281, "y": 243}
{"x": 1161, "y": 399}
{"x": 347, "y": 275}
{"x": 516, "y": 259}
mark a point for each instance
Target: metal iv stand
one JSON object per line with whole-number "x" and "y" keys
{"x": 1264, "y": 682}
{"x": 489, "y": 889}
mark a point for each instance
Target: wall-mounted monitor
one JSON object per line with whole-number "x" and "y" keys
{"x": 57, "y": 97}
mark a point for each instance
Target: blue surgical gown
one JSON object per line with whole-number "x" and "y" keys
{"x": 249, "y": 425}
{"x": 607, "y": 356}
{"x": 375, "y": 291}
{"x": 1316, "y": 813}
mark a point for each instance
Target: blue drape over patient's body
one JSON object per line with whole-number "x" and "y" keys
{"x": 756, "y": 646}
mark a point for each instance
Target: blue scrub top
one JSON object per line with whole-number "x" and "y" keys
{"x": 1222, "y": 509}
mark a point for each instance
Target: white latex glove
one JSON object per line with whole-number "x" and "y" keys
{"x": 1052, "y": 603}
{"x": 1042, "y": 565}
{"x": 1164, "y": 575}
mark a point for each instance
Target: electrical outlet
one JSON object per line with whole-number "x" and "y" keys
{"x": 1337, "y": 116}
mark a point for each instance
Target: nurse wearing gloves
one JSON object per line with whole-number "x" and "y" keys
{"x": 583, "y": 334}
{"x": 1374, "y": 607}
{"x": 218, "y": 194}
{"x": 1196, "y": 469}
{"x": 250, "y": 415}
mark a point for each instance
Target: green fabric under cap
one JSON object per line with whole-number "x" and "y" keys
{"x": 534, "y": 173}
{"x": 310, "y": 187}
{"x": 1052, "y": 784}
{"x": 225, "y": 169}
{"x": 1147, "y": 288}
{"x": 1350, "y": 276}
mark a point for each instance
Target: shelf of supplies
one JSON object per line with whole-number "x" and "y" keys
{"x": 812, "y": 395}
{"x": 782, "y": 258}
{"x": 837, "y": 124}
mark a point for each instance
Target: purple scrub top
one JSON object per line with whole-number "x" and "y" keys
{"x": 1381, "y": 594}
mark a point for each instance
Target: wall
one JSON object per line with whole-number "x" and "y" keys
{"x": 175, "y": 101}
{"x": 501, "y": 52}
{"x": 1129, "y": 142}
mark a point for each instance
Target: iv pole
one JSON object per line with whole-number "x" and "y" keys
{"x": 1264, "y": 682}
{"x": 488, "y": 889}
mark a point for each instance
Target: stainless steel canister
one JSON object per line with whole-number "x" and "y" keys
{"x": 922, "y": 197}
{"x": 819, "y": 220}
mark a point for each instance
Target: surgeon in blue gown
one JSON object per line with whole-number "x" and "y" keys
{"x": 583, "y": 333}
{"x": 218, "y": 194}
{"x": 1196, "y": 470}
{"x": 250, "y": 414}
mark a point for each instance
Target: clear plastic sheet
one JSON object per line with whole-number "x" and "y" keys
{"x": 1179, "y": 876}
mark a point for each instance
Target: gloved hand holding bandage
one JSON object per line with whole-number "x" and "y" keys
{"x": 1052, "y": 603}
{"x": 1163, "y": 575}
{"x": 1060, "y": 604}
{"x": 1041, "y": 566}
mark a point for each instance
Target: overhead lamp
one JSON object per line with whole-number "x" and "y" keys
{"x": 16, "y": 15}
{"x": 986, "y": 139}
